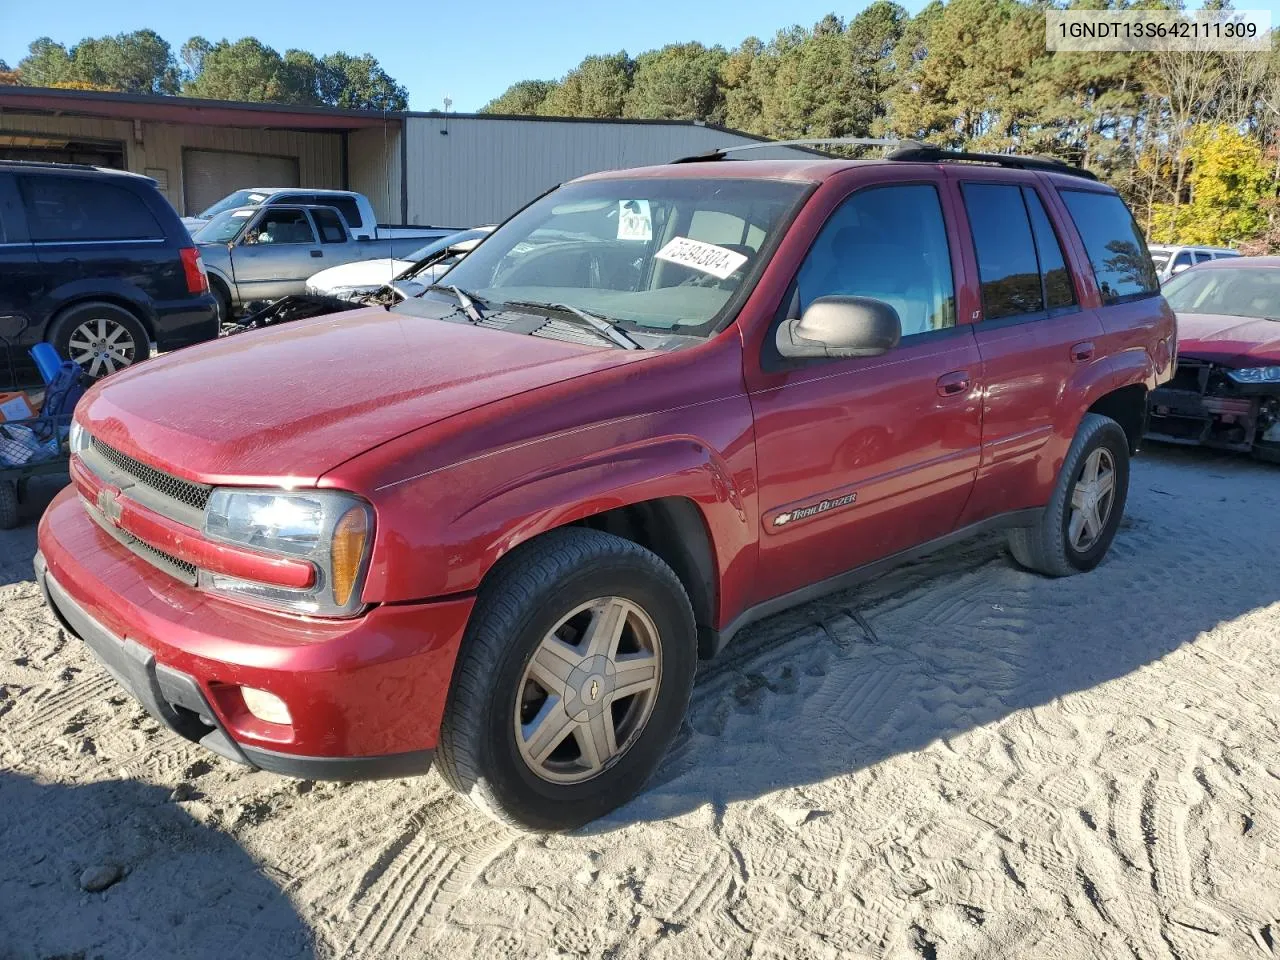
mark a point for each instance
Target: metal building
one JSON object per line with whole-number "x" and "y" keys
{"x": 429, "y": 168}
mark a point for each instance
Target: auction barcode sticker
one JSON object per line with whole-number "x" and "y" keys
{"x": 1146, "y": 31}
{"x": 707, "y": 257}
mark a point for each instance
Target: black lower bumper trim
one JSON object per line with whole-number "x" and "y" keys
{"x": 176, "y": 700}
{"x": 386, "y": 767}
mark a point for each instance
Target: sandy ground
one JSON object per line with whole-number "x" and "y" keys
{"x": 962, "y": 760}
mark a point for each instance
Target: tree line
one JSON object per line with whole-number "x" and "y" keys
{"x": 244, "y": 69}
{"x": 1192, "y": 140}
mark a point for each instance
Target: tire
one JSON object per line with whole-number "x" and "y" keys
{"x": 1049, "y": 547}
{"x": 222, "y": 297}
{"x": 537, "y": 587}
{"x": 8, "y": 505}
{"x": 85, "y": 331}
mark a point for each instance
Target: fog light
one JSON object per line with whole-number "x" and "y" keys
{"x": 266, "y": 706}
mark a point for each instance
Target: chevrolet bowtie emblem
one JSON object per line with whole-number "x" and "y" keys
{"x": 109, "y": 504}
{"x": 595, "y": 690}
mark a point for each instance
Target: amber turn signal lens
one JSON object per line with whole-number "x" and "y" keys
{"x": 346, "y": 552}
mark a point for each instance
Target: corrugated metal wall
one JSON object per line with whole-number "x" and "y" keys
{"x": 464, "y": 171}
{"x": 319, "y": 155}
{"x": 373, "y": 168}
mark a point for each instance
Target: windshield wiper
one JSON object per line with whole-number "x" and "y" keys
{"x": 465, "y": 300}
{"x": 606, "y": 327}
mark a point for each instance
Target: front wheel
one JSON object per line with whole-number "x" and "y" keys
{"x": 572, "y": 680}
{"x": 1077, "y": 526}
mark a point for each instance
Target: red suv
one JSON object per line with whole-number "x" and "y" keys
{"x": 495, "y": 525}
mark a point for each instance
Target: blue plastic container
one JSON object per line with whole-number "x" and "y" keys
{"x": 47, "y": 361}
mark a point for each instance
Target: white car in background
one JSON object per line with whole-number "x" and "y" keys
{"x": 351, "y": 281}
{"x": 1171, "y": 260}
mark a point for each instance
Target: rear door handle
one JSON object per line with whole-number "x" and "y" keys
{"x": 316, "y": 253}
{"x": 1081, "y": 352}
{"x": 953, "y": 384}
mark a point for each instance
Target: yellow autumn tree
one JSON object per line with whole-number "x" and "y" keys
{"x": 1231, "y": 186}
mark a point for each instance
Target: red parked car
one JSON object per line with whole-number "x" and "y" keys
{"x": 1226, "y": 392}
{"x": 494, "y": 526}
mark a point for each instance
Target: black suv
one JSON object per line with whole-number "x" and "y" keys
{"x": 97, "y": 262}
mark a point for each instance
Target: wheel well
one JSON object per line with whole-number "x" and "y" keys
{"x": 1127, "y": 407}
{"x": 123, "y": 304}
{"x": 673, "y": 528}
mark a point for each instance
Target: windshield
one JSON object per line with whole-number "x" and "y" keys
{"x": 435, "y": 246}
{"x": 661, "y": 254}
{"x": 241, "y": 198}
{"x": 223, "y": 228}
{"x": 1234, "y": 291}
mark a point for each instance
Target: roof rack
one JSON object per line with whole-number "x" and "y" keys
{"x": 913, "y": 151}
{"x": 905, "y": 150}
{"x": 720, "y": 153}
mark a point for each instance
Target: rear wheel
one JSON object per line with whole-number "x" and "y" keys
{"x": 572, "y": 680}
{"x": 101, "y": 337}
{"x": 1077, "y": 526}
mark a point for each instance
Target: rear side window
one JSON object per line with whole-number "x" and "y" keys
{"x": 1117, "y": 252}
{"x": 329, "y": 225}
{"x": 71, "y": 209}
{"x": 1059, "y": 293}
{"x": 1006, "y": 251}
{"x": 348, "y": 207}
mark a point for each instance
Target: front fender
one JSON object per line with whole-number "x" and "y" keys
{"x": 481, "y": 529}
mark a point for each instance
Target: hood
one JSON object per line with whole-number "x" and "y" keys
{"x": 364, "y": 273}
{"x": 286, "y": 404}
{"x": 1231, "y": 341}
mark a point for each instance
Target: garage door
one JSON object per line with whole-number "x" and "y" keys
{"x": 209, "y": 175}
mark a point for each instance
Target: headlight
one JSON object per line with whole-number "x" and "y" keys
{"x": 77, "y": 438}
{"x": 1255, "y": 375}
{"x": 332, "y": 530}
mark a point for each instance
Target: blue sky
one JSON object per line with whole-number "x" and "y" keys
{"x": 469, "y": 52}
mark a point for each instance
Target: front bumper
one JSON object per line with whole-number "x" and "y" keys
{"x": 365, "y": 695}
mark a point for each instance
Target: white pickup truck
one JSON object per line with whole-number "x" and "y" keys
{"x": 355, "y": 208}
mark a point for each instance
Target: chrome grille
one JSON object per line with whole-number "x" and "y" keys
{"x": 195, "y": 495}
{"x": 179, "y": 569}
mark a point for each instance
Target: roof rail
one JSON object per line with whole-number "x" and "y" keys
{"x": 49, "y": 164}
{"x": 911, "y": 150}
{"x": 720, "y": 153}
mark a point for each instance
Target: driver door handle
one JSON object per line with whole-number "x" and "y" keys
{"x": 954, "y": 384}
{"x": 316, "y": 253}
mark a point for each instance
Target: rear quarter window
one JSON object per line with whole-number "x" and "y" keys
{"x": 73, "y": 209}
{"x": 1117, "y": 252}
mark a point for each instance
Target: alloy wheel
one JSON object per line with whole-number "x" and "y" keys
{"x": 1092, "y": 499}
{"x": 102, "y": 346}
{"x": 588, "y": 690}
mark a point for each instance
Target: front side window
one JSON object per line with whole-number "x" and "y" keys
{"x": 662, "y": 254}
{"x": 887, "y": 243}
{"x": 1183, "y": 260}
{"x": 281, "y": 227}
{"x": 1117, "y": 252}
{"x": 1202, "y": 256}
{"x": 70, "y": 209}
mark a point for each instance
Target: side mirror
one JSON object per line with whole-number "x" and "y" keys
{"x": 841, "y": 327}
{"x": 1180, "y": 267}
